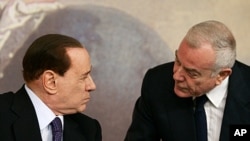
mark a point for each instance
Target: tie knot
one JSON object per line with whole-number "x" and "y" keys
{"x": 200, "y": 101}
{"x": 56, "y": 125}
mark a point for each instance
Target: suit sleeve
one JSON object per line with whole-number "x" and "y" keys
{"x": 142, "y": 127}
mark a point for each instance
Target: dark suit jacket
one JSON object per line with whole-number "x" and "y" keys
{"x": 160, "y": 114}
{"x": 18, "y": 121}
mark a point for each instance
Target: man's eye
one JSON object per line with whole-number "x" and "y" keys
{"x": 83, "y": 78}
{"x": 193, "y": 74}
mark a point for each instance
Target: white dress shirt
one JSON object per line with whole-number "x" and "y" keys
{"x": 44, "y": 115}
{"x": 214, "y": 109}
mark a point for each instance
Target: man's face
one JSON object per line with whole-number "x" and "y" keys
{"x": 75, "y": 86}
{"x": 193, "y": 69}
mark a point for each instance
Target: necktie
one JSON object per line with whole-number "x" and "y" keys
{"x": 56, "y": 125}
{"x": 200, "y": 118}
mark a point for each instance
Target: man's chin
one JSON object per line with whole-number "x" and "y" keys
{"x": 181, "y": 94}
{"x": 82, "y": 108}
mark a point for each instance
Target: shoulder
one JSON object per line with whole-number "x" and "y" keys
{"x": 242, "y": 67}
{"x": 241, "y": 71}
{"x": 6, "y": 98}
{"x": 6, "y": 95}
{"x": 88, "y": 126}
{"x": 82, "y": 117}
{"x": 160, "y": 75}
{"x": 160, "y": 72}
{"x": 162, "y": 68}
{"x": 158, "y": 83}
{"x": 84, "y": 120}
{"x": 6, "y": 114}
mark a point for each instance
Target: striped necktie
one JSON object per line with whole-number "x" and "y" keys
{"x": 56, "y": 125}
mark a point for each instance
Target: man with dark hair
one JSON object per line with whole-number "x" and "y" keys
{"x": 197, "y": 97}
{"x": 56, "y": 70}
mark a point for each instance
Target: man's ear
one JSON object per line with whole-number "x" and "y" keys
{"x": 49, "y": 81}
{"x": 223, "y": 74}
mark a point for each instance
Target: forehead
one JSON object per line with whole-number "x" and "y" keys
{"x": 79, "y": 58}
{"x": 202, "y": 57}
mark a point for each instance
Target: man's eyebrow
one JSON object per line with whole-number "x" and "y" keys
{"x": 86, "y": 73}
{"x": 186, "y": 68}
{"x": 191, "y": 70}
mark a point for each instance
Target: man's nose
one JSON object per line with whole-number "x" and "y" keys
{"x": 178, "y": 73}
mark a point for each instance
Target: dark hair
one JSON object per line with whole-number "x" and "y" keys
{"x": 48, "y": 52}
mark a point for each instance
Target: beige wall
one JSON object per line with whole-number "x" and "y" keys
{"x": 172, "y": 18}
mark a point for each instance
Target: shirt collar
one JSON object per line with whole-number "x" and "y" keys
{"x": 217, "y": 94}
{"x": 43, "y": 112}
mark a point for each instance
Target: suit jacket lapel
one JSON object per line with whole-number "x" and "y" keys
{"x": 26, "y": 126}
{"x": 71, "y": 130}
{"x": 236, "y": 109}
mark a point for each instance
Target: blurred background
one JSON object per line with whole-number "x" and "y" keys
{"x": 124, "y": 38}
